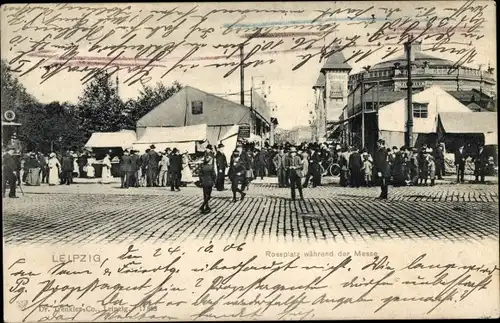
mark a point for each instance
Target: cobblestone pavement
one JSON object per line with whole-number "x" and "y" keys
{"x": 84, "y": 213}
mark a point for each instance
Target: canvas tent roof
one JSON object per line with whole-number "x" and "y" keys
{"x": 123, "y": 139}
{"x": 182, "y": 138}
{"x": 392, "y": 117}
{"x": 173, "y": 134}
{"x": 477, "y": 122}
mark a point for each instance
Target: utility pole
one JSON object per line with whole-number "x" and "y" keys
{"x": 242, "y": 77}
{"x": 363, "y": 110}
{"x": 409, "y": 121}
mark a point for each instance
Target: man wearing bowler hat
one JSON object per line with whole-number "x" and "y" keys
{"x": 221, "y": 163}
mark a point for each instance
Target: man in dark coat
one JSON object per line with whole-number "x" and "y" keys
{"x": 245, "y": 161}
{"x": 207, "y": 179}
{"x": 125, "y": 169}
{"x": 175, "y": 170}
{"x": 152, "y": 170}
{"x": 460, "y": 158}
{"x": 381, "y": 168}
{"x": 294, "y": 166}
{"x": 221, "y": 162}
{"x": 9, "y": 170}
{"x": 480, "y": 164}
{"x": 439, "y": 160}
{"x": 67, "y": 166}
{"x": 355, "y": 165}
{"x": 135, "y": 162}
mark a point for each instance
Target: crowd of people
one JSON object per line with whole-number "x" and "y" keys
{"x": 295, "y": 166}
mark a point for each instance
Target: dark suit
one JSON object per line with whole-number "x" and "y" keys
{"x": 152, "y": 171}
{"x": 175, "y": 171}
{"x": 125, "y": 169}
{"x": 207, "y": 180}
{"x": 247, "y": 163}
{"x": 460, "y": 158}
{"x": 381, "y": 165}
{"x": 314, "y": 170}
{"x": 67, "y": 166}
{"x": 293, "y": 164}
{"x": 221, "y": 162}
{"x": 236, "y": 175}
{"x": 439, "y": 159}
{"x": 135, "y": 164}
{"x": 9, "y": 169}
{"x": 480, "y": 163}
{"x": 355, "y": 165}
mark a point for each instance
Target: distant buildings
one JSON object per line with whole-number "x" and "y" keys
{"x": 385, "y": 83}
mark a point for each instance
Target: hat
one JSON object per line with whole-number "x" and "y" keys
{"x": 220, "y": 145}
{"x": 152, "y": 146}
{"x": 175, "y": 150}
{"x": 209, "y": 147}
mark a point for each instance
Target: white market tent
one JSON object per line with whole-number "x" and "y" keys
{"x": 122, "y": 139}
{"x": 182, "y": 138}
{"x": 392, "y": 117}
{"x": 477, "y": 122}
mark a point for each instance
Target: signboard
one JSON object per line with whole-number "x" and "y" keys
{"x": 244, "y": 131}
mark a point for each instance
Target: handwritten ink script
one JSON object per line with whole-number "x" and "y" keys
{"x": 233, "y": 282}
{"x": 148, "y": 42}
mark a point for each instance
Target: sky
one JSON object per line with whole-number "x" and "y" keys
{"x": 290, "y": 90}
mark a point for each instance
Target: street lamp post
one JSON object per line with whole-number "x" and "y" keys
{"x": 409, "y": 110}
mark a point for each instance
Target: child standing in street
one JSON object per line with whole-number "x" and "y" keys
{"x": 431, "y": 167}
{"x": 367, "y": 169}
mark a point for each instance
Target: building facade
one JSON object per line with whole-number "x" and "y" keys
{"x": 386, "y": 82}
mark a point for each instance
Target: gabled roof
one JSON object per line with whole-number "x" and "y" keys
{"x": 336, "y": 62}
{"x": 320, "y": 82}
{"x": 392, "y": 117}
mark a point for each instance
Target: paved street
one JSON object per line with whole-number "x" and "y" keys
{"x": 91, "y": 212}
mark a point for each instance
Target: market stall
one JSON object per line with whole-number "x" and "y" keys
{"x": 112, "y": 143}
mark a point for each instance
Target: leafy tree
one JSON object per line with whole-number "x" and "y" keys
{"x": 13, "y": 94}
{"x": 99, "y": 108}
{"x": 151, "y": 97}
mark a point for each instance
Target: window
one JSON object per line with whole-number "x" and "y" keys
{"x": 197, "y": 107}
{"x": 420, "y": 110}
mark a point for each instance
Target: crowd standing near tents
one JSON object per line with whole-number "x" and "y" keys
{"x": 295, "y": 166}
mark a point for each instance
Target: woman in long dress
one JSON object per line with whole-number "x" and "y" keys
{"x": 54, "y": 170}
{"x": 106, "y": 169}
{"x": 186, "y": 174}
{"x": 33, "y": 178}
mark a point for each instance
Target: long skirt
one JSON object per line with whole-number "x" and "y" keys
{"x": 106, "y": 175}
{"x": 187, "y": 175}
{"x": 33, "y": 178}
{"x": 90, "y": 171}
{"x": 54, "y": 176}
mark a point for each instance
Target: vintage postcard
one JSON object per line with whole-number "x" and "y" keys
{"x": 249, "y": 161}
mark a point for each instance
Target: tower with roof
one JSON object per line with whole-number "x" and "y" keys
{"x": 336, "y": 74}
